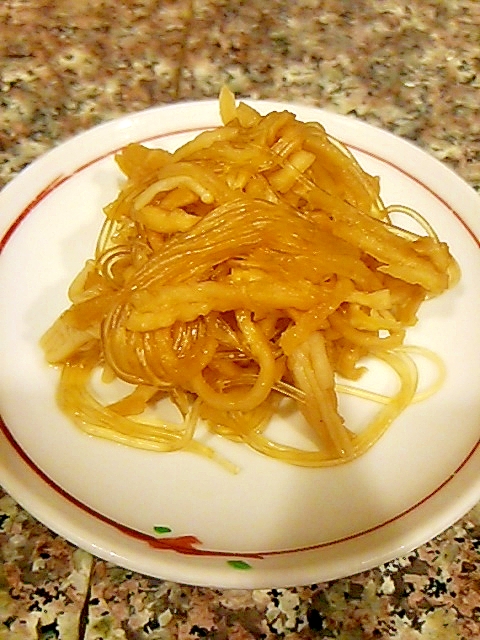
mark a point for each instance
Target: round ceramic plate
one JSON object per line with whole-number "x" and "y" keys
{"x": 181, "y": 517}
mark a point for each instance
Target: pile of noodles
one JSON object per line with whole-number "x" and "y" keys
{"x": 256, "y": 262}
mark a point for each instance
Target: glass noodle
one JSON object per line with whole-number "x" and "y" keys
{"x": 256, "y": 263}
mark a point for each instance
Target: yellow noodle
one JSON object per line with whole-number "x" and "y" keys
{"x": 256, "y": 262}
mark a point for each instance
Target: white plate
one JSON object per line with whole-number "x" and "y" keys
{"x": 182, "y": 518}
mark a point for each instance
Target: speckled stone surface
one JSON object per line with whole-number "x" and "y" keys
{"x": 410, "y": 67}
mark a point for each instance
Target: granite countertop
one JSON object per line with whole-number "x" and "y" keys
{"x": 412, "y": 68}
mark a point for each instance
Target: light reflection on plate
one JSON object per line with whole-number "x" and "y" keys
{"x": 183, "y": 518}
